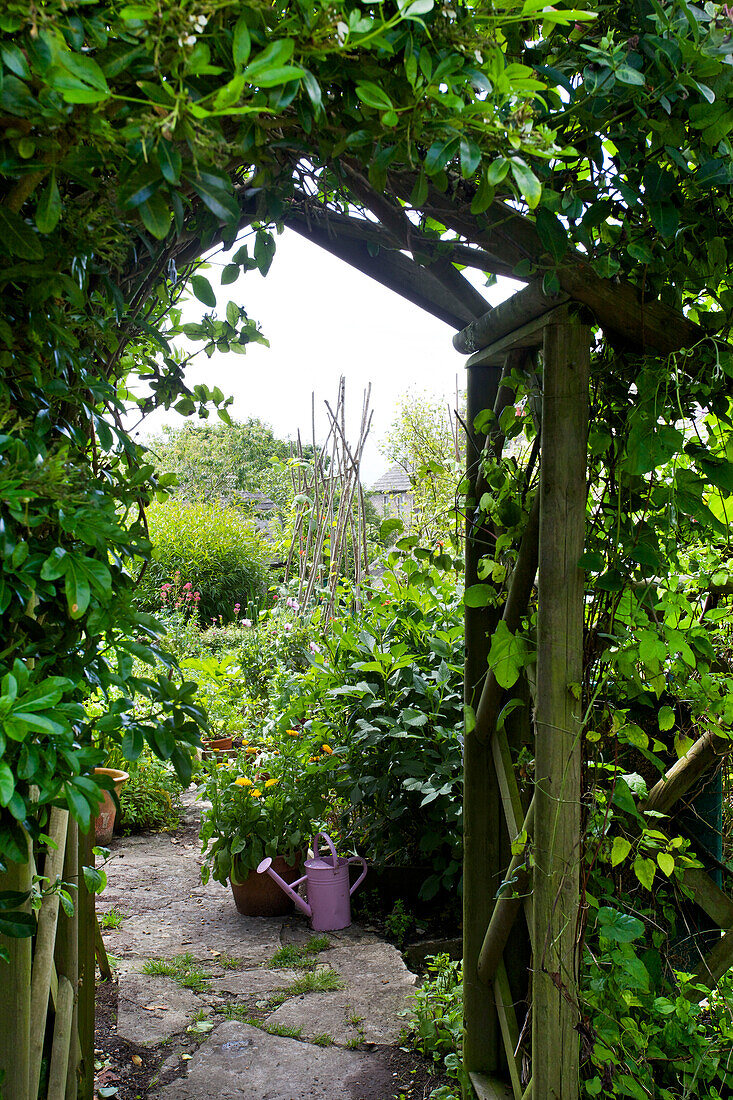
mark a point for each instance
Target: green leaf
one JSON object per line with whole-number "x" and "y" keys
{"x": 230, "y": 274}
{"x": 666, "y": 718}
{"x": 232, "y": 314}
{"x": 374, "y": 96}
{"x": 17, "y": 237}
{"x": 470, "y": 156}
{"x": 507, "y": 656}
{"x": 666, "y": 863}
{"x": 627, "y": 75}
{"x": 79, "y": 808}
{"x": 552, "y": 233}
{"x": 156, "y": 215}
{"x": 480, "y": 595}
{"x": 169, "y": 160}
{"x": 48, "y": 210}
{"x": 242, "y": 43}
{"x": 7, "y": 783}
{"x": 645, "y": 869}
{"x": 85, "y": 68}
{"x": 619, "y": 851}
{"x": 18, "y": 926}
{"x": 216, "y": 197}
{"x": 202, "y": 290}
{"x": 665, "y": 218}
{"x": 77, "y": 589}
{"x": 617, "y": 926}
{"x": 529, "y": 186}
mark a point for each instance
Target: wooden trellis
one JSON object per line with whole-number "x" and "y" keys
{"x": 520, "y": 964}
{"x": 47, "y": 992}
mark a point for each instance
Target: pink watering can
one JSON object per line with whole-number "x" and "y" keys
{"x": 329, "y": 896}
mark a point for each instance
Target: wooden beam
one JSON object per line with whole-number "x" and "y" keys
{"x": 482, "y": 823}
{"x": 716, "y": 963}
{"x": 555, "y": 1045}
{"x": 488, "y": 1088}
{"x": 706, "y": 753}
{"x": 506, "y": 908}
{"x": 521, "y": 309}
{"x": 528, "y": 337}
{"x": 621, "y": 309}
{"x": 509, "y": 1028}
{"x": 67, "y": 953}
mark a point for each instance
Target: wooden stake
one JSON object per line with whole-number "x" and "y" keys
{"x": 44, "y": 947}
{"x": 555, "y": 1051}
{"x": 15, "y": 995}
{"x": 62, "y": 1041}
{"x": 482, "y": 822}
{"x": 67, "y": 953}
{"x": 87, "y": 967}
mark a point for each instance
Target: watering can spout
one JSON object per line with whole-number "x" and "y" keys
{"x": 266, "y": 868}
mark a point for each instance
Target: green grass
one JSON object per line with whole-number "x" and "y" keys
{"x": 322, "y": 1040}
{"x": 315, "y": 981}
{"x": 312, "y": 981}
{"x": 300, "y": 956}
{"x": 230, "y": 962}
{"x": 182, "y": 968}
{"x": 112, "y": 919}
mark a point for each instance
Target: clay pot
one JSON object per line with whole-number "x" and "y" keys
{"x": 104, "y": 822}
{"x": 259, "y": 896}
{"x": 218, "y": 744}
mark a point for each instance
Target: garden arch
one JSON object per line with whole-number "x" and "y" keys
{"x": 71, "y": 311}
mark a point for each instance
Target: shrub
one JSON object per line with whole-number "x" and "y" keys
{"x": 215, "y": 550}
{"x": 437, "y": 1020}
{"x": 151, "y": 798}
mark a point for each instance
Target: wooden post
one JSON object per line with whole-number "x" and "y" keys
{"x": 44, "y": 948}
{"x": 67, "y": 951}
{"x": 555, "y": 1044}
{"x": 15, "y": 995}
{"x": 482, "y": 822}
{"x": 87, "y": 967}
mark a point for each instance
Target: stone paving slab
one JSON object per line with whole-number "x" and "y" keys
{"x": 377, "y": 985}
{"x": 155, "y": 881}
{"x": 150, "y": 1009}
{"x": 239, "y": 1062}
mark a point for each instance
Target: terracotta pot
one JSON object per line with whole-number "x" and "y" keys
{"x": 259, "y": 896}
{"x": 218, "y": 744}
{"x": 104, "y": 822}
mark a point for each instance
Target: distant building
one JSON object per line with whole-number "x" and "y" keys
{"x": 391, "y": 494}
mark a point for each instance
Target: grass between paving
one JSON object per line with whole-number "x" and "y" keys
{"x": 182, "y": 968}
{"x": 300, "y": 956}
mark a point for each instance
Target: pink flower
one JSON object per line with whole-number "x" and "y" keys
{"x": 189, "y": 595}
{"x": 246, "y": 622}
{"x": 287, "y": 627}
{"x": 314, "y": 648}
{"x": 187, "y": 585}
{"x": 197, "y": 596}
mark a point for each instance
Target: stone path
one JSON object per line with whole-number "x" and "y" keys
{"x": 244, "y": 1029}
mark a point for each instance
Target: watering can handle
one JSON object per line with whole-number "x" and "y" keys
{"x": 329, "y": 842}
{"x": 362, "y": 876}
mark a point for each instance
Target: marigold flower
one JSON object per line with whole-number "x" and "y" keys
{"x": 293, "y": 733}
{"x": 252, "y": 749}
{"x": 271, "y": 782}
{"x": 327, "y": 749}
{"x": 243, "y": 781}
{"x": 256, "y": 792}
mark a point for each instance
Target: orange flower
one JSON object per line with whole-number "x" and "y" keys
{"x": 271, "y": 782}
{"x": 256, "y": 792}
{"x": 243, "y": 781}
{"x": 293, "y": 733}
{"x": 251, "y": 749}
{"x": 328, "y": 751}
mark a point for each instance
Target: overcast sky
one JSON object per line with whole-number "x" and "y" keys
{"x": 324, "y": 319}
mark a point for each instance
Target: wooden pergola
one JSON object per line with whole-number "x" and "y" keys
{"x": 520, "y": 947}
{"x": 520, "y": 961}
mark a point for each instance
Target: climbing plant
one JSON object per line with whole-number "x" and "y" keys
{"x": 134, "y": 138}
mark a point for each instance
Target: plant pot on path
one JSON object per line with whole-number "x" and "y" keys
{"x": 259, "y": 896}
{"x": 104, "y": 822}
{"x": 216, "y": 745}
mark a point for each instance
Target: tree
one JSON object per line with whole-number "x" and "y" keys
{"x": 425, "y": 440}
{"x": 223, "y": 461}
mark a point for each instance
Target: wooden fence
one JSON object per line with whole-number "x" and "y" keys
{"x": 47, "y": 990}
